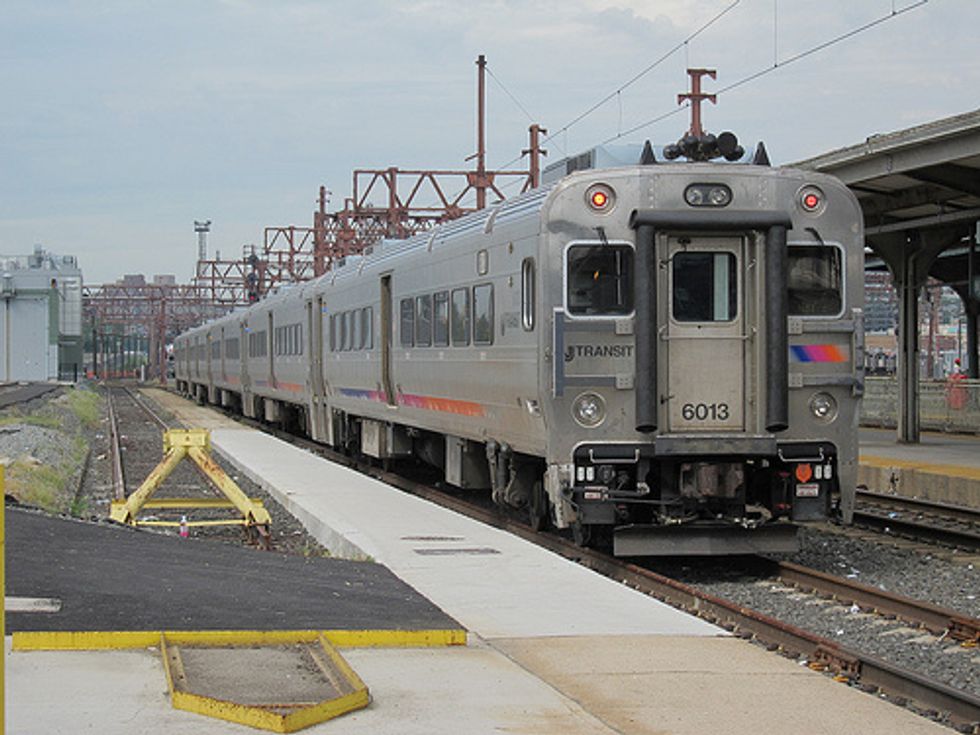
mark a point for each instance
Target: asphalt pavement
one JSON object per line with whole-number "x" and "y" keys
{"x": 109, "y": 577}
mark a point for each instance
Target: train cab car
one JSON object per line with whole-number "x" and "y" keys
{"x": 707, "y": 351}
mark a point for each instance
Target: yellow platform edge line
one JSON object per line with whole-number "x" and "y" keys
{"x": 126, "y": 640}
{"x": 946, "y": 470}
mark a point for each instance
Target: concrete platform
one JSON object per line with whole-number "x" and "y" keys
{"x": 601, "y": 685}
{"x": 942, "y": 467}
{"x": 553, "y": 647}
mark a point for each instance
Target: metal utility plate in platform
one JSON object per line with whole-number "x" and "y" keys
{"x": 686, "y": 540}
{"x": 282, "y": 681}
{"x": 281, "y": 688}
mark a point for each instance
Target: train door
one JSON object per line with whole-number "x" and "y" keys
{"x": 705, "y": 334}
{"x": 386, "y": 340}
{"x": 270, "y": 343}
{"x": 209, "y": 356}
{"x": 314, "y": 344}
{"x": 245, "y": 352}
{"x": 224, "y": 368}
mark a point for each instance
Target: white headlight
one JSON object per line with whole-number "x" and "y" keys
{"x": 719, "y": 196}
{"x": 823, "y": 406}
{"x": 589, "y": 410}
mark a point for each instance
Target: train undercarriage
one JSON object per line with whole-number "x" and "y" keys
{"x": 626, "y": 498}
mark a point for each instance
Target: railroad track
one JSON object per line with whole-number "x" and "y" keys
{"x": 937, "y": 620}
{"x": 920, "y": 520}
{"x": 132, "y": 422}
{"x": 134, "y": 426}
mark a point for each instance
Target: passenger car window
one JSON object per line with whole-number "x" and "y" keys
{"x": 355, "y": 329}
{"x": 440, "y": 319}
{"x": 423, "y": 320}
{"x": 815, "y": 280}
{"x": 344, "y": 332}
{"x": 367, "y": 341}
{"x": 704, "y": 287}
{"x": 460, "y": 317}
{"x": 600, "y": 279}
{"x": 483, "y": 314}
{"x": 407, "y": 326}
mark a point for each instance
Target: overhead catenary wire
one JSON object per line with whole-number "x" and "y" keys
{"x": 563, "y": 130}
{"x": 777, "y": 65}
{"x": 666, "y": 55}
{"x": 509, "y": 94}
{"x": 895, "y": 12}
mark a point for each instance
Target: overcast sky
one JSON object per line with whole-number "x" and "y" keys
{"x": 124, "y": 121}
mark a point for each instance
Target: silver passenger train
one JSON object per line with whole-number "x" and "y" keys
{"x": 667, "y": 357}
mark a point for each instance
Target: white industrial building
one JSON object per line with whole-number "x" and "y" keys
{"x": 40, "y": 317}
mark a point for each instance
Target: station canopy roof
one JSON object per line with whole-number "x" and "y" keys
{"x": 925, "y": 177}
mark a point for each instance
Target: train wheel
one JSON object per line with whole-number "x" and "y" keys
{"x": 538, "y": 509}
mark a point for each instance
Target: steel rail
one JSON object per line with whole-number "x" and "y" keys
{"x": 146, "y": 409}
{"x": 854, "y": 666}
{"x": 936, "y": 619}
{"x": 920, "y": 505}
{"x": 957, "y": 537}
{"x": 115, "y": 451}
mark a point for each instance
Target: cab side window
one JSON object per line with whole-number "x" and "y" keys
{"x": 599, "y": 279}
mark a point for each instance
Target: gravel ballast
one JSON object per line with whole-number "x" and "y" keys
{"x": 903, "y": 571}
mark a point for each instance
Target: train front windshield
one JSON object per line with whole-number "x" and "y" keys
{"x": 815, "y": 282}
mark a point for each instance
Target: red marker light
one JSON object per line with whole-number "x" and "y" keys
{"x": 600, "y": 198}
{"x": 811, "y": 199}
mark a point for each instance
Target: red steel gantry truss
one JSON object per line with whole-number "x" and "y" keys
{"x": 414, "y": 201}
